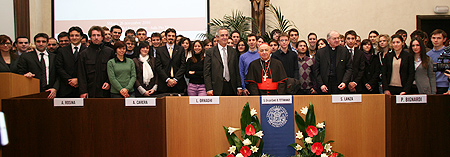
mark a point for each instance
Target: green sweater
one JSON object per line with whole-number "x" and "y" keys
{"x": 121, "y": 75}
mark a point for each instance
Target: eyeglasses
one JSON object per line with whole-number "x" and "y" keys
{"x": 5, "y": 44}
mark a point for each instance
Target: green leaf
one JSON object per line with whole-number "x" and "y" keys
{"x": 237, "y": 141}
{"x": 301, "y": 125}
{"x": 293, "y": 145}
{"x": 330, "y": 141}
{"x": 245, "y": 118}
{"x": 261, "y": 145}
{"x": 310, "y": 116}
{"x": 221, "y": 155}
{"x": 256, "y": 123}
{"x": 230, "y": 140}
{"x": 320, "y": 137}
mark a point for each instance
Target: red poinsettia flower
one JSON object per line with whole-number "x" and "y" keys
{"x": 250, "y": 130}
{"x": 317, "y": 148}
{"x": 312, "y": 131}
{"x": 231, "y": 155}
{"x": 245, "y": 151}
{"x": 334, "y": 155}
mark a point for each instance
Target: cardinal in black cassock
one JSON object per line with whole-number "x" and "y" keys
{"x": 266, "y": 76}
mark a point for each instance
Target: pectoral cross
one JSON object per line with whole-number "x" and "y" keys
{"x": 265, "y": 77}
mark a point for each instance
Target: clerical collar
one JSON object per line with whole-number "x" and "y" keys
{"x": 333, "y": 48}
{"x": 266, "y": 60}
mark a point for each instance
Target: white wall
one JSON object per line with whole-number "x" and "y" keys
{"x": 40, "y": 17}
{"x": 321, "y": 16}
{"x": 7, "y": 18}
{"x": 385, "y": 16}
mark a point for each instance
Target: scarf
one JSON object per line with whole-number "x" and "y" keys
{"x": 147, "y": 70}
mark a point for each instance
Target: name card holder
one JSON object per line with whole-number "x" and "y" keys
{"x": 205, "y": 100}
{"x": 281, "y": 99}
{"x": 68, "y": 102}
{"x": 140, "y": 102}
{"x": 411, "y": 99}
{"x": 347, "y": 98}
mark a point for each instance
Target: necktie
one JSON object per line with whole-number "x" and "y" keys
{"x": 351, "y": 52}
{"x": 170, "y": 52}
{"x": 226, "y": 73}
{"x": 75, "y": 54}
{"x": 44, "y": 70}
{"x": 171, "y": 68}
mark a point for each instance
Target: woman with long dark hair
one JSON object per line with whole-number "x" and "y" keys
{"x": 7, "y": 58}
{"x": 186, "y": 44}
{"x": 425, "y": 78}
{"x": 371, "y": 75}
{"x": 194, "y": 71}
{"x": 207, "y": 44}
{"x": 146, "y": 76}
{"x": 398, "y": 69}
{"x": 241, "y": 47}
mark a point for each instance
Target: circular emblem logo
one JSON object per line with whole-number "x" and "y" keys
{"x": 277, "y": 116}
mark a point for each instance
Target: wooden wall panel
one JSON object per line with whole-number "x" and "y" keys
{"x": 22, "y": 17}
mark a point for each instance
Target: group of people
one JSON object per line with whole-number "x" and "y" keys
{"x": 169, "y": 64}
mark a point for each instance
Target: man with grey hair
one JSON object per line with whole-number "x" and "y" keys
{"x": 221, "y": 68}
{"x": 333, "y": 66}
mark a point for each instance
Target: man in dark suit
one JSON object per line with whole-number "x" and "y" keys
{"x": 171, "y": 66}
{"x": 66, "y": 64}
{"x": 333, "y": 66}
{"x": 222, "y": 79}
{"x": 359, "y": 62}
{"x": 41, "y": 65}
{"x": 156, "y": 42}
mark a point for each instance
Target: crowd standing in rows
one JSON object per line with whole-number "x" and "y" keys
{"x": 169, "y": 64}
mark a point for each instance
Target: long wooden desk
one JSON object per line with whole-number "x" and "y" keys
{"x": 105, "y": 127}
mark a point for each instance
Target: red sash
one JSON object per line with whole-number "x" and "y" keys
{"x": 267, "y": 85}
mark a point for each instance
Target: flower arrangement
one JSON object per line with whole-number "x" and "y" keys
{"x": 252, "y": 143}
{"x": 312, "y": 136}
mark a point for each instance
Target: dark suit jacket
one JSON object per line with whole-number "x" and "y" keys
{"x": 139, "y": 75}
{"x": 13, "y": 65}
{"x": 163, "y": 65}
{"x": 213, "y": 70}
{"x": 358, "y": 61}
{"x": 66, "y": 67}
{"x": 371, "y": 75}
{"x": 322, "y": 65}
{"x": 29, "y": 62}
{"x": 407, "y": 70}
